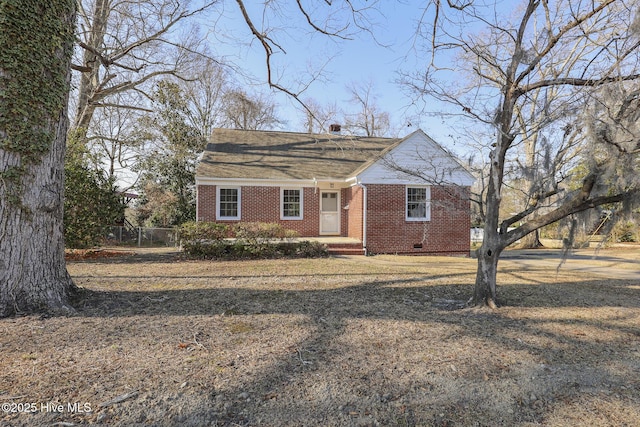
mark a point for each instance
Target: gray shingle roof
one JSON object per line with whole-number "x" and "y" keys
{"x": 233, "y": 153}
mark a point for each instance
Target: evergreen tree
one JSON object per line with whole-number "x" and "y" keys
{"x": 168, "y": 164}
{"x": 91, "y": 200}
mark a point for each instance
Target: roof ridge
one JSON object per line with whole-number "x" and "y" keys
{"x": 337, "y": 136}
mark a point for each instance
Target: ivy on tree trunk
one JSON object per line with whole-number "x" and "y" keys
{"x": 37, "y": 41}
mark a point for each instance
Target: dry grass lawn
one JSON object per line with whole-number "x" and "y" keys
{"x": 161, "y": 341}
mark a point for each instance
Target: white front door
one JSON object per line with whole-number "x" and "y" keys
{"x": 329, "y": 212}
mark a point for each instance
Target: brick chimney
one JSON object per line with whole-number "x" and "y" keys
{"x": 335, "y": 129}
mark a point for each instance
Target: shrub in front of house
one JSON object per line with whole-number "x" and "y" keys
{"x": 308, "y": 249}
{"x": 260, "y": 231}
{"x": 261, "y": 240}
{"x": 191, "y": 231}
{"x": 206, "y": 249}
{"x": 252, "y": 240}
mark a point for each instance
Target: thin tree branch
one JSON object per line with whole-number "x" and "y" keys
{"x": 318, "y": 29}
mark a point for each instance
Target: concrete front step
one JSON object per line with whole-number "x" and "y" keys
{"x": 345, "y": 249}
{"x": 337, "y": 245}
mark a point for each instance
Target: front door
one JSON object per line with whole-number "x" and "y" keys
{"x": 329, "y": 212}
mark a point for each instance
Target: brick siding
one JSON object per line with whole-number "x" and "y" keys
{"x": 388, "y": 231}
{"x": 262, "y": 204}
{"x": 206, "y": 205}
{"x": 353, "y": 217}
{"x": 447, "y": 232}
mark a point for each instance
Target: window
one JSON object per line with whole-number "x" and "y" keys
{"x": 418, "y": 203}
{"x": 291, "y": 203}
{"x": 228, "y": 203}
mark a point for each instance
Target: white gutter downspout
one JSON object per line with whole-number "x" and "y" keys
{"x": 364, "y": 216}
{"x": 197, "y": 205}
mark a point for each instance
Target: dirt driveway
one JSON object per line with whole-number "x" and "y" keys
{"x": 622, "y": 262}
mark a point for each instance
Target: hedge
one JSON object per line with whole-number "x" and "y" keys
{"x": 252, "y": 240}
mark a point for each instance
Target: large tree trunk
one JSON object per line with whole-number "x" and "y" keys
{"x": 33, "y": 274}
{"x": 484, "y": 293}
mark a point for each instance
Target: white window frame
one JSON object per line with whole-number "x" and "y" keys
{"x": 218, "y": 214}
{"x": 300, "y": 190}
{"x": 427, "y": 214}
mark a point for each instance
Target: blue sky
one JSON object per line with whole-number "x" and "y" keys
{"x": 356, "y": 60}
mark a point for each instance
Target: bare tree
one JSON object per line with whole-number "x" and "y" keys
{"x": 205, "y": 94}
{"x": 550, "y": 145}
{"x": 244, "y": 112}
{"x": 317, "y": 117}
{"x": 125, "y": 45}
{"x": 114, "y": 144}
{"x": 368, "y": 119}
{"x": 115, "y": 141}
{"x": 573, "y": 48}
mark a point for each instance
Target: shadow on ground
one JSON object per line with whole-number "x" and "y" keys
{"x": 322, "y": 383}
{"x": 227, "y": 348}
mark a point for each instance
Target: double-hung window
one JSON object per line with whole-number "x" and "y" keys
{"x": 418, "y": 203}
{"x": 291, "y": 203}
{"x": 228, "y": 203}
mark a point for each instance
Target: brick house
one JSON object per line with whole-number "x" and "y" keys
{"x": 391, "y": 195}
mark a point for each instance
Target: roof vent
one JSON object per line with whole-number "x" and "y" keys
{"x": 335, "y": 129}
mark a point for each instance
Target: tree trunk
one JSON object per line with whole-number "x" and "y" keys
{"x": 33, "y": 274}
{"x": 485, "y": 287}
{"x": 493, "y": 244}
{"x": 90, "y": 80}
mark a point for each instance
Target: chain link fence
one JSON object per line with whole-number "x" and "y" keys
{"x": 141, "y": 236}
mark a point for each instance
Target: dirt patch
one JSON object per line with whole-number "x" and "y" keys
{"x": 94, "y": 254}
{"x": 127, "y": 255}
{"x": 158, "y": 340}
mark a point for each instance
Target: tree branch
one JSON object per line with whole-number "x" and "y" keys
{"x": 532, "y": 208}
{"x": 81, "y": 69}
{"x": 580, "y": 202}
{"x": 127, "y": 107}
{"x": 569, "y": 81}
{"x": 318, "y": 29}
